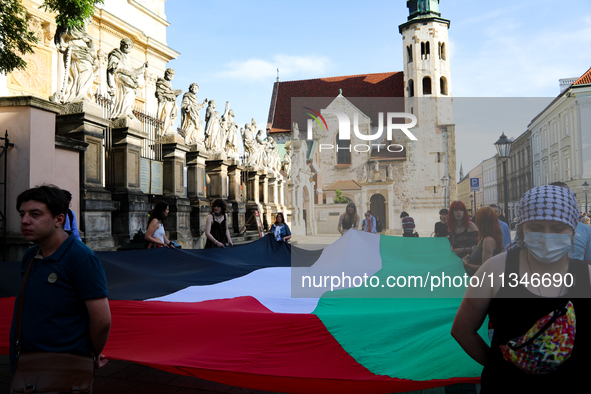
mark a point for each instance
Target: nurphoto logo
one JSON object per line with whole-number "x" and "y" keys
{"x": 345, "y": 129}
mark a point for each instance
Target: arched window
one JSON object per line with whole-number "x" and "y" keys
{"x": 426, "y": 85}
{"x": 443, "y": 85}
{"x": 411, "y": 88}
{"x": 441, "y": 50}
{"x": 343, "y": 151}
{"x": 409, "y": 53}
{"x": 425, "y": 50}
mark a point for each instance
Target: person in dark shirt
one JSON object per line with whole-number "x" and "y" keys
{"x": 441, "y": 227}
{"x": 66, "y": 309}
{"x": 408, "y": 225}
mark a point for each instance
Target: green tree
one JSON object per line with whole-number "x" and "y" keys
{"x": 71, "y": 13}
{"x": 15, "y": 37}
{"x": 339, "y": 198}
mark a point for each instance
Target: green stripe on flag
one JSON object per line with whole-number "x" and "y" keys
{"x": 406, "y": 337}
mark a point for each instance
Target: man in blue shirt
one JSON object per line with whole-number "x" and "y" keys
{"x": 371, "y": 227}
{"x": 65, "y": 300}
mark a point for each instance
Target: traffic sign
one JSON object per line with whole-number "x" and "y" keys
{"x": 474, "y": 184}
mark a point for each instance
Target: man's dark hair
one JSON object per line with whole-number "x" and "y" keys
{"x": 50, "y": 195}
{"x": 403, "y": 214}
{"x": 560, "y": 184}
{"x": 68, "y": 195}
{"x": 444, "y": 211}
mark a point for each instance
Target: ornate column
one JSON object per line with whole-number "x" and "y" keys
{"x": 84, "y": 121}
{"x": 253, "y": 194}
{"x": 217, "y": 183}
{"x": 177, "y": 223}
{"x": 134, "y": 206}
{"x": 200, "y": 206}
{"x": 264, "y": 198}
{"x": 217, "y": 178}
{"x": 235, "y": 197}
{"x": 273, "y": 206}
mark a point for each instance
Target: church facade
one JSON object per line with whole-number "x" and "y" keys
{"x": 387, "y": 164}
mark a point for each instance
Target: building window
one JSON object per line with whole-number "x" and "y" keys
{"x": 555, "y": 134}
{"x": 443, "y": 85}
{"x": 441, "y": 50}
{"x": 426, "y": 85}
{"x": 343, "y": 151}
{"x": 425, "y": 50}
{"x": 567, "y": 169}
{"x": 411, "y": 88}
{"x": 566, "y": 124}
{"x": 409, "y": 53}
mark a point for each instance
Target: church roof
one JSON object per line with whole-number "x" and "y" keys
{"x": 343, "y": 185}
{"x": 585, "y": 79}
{"x": 389, "y": 84}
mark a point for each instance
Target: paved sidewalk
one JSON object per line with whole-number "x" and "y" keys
{"x": 124, "y": 377}
{"x": 314, "y": 242}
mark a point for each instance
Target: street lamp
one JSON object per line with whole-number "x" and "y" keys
{"x": 585, "y": 186}
{"x": 472, "y": 204}
{"x": 445, "y": 180}
{"x": 503, "y": 146}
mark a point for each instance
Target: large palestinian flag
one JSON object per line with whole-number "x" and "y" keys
{"x": 263, "y": 315}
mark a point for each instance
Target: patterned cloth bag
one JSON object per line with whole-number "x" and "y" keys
{"x": 546, "y": 345}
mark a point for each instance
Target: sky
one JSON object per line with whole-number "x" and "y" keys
{"x": 501, "y": 48}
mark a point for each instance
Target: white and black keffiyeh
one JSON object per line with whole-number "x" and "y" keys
{"x": 546, "y": 203}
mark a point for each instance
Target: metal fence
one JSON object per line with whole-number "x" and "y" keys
{"x": 151, "y": 145}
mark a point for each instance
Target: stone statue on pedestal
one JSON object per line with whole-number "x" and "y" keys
{"x": 287, "y": 162}
{"x": 80, "y": 64}
{"x": 273, "y": 160}
{"x": 231, "y": 135}
{"x": 212, "y": 126}
{"x": 249, "y": 143}
{"x": 376, "y": 165}
{"x": 122, "y": 80}
{"x": 390, "y": 172}
{"x": 260, "y": 158}
{"x": 295, "y": 131}
{"x": 190, "y": 120}
{"x": 166, "y": 95}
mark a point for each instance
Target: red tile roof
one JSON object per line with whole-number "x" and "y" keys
{"x": 364, "y": 85}
{"x": 585, "y": 79}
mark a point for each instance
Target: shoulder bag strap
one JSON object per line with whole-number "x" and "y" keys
{"x": 19, "y": 310}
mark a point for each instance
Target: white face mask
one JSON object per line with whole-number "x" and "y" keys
{"x": 548, "y": 247}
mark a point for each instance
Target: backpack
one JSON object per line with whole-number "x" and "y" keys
{"x": 378, "y": 226}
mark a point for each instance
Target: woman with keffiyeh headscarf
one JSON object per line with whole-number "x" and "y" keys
{"x": 537, "y": 301}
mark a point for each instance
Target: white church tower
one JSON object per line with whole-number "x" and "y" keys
{"x": 426, "y": 51}
{"x": 427, "y": 79}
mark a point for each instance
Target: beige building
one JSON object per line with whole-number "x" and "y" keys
{"x": 144, "y": 22}
{"x": 561, "y": 139}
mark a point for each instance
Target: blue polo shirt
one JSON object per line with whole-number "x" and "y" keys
{"x": 55, "y": 318}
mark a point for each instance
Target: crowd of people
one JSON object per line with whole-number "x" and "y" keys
{"x": 541, "y": 330}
